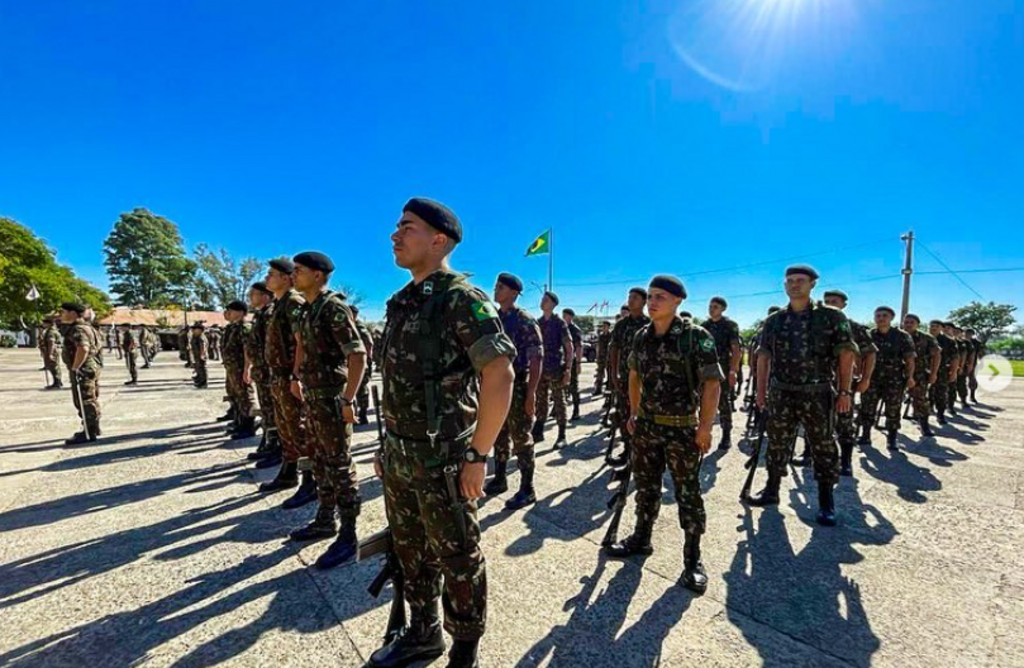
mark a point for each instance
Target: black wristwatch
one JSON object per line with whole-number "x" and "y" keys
{"x": 473, "y": 457}
{"x": 845, "y": 393}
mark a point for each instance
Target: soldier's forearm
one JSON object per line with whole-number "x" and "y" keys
{"x": 533, "y": 382}
{"x": 495, "y": 397}
{"x": 846, "y": 370}
{"x": 869, "y": 366}
{"x": 709, "y": 402}
{"x": 634, "y": 393}
{"x": 764, "y": 365}
{"x": 356, "y": 368}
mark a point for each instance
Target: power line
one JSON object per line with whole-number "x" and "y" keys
{"x": 955, "y": 274}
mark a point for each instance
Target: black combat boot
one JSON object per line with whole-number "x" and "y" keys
{"x": 246, "y": 429}
{"x": 826, "y": 505}
{"x": 321, "y": 527}
{"x": 575, "y": 409}
{"x": 952, "y": 408}
{"x": 941, "y": 418}
{"x": 525, "y": 496}
{"x": 263, "y": 450}
{"x": 305, "y": 494}
{"x": 273, "y": 458}
{"x": 694, "y": 578}
{"x": 865, "y": 435}
{"x": 560, "y": 442}
{"x": 726, "y": 441}
{"x": 464, "y": 654}
{"x": 58, "y": 384}
{"x": 229, "y": 416}
{"x": 287, "y": 477}
{"x": 769, "y": 496}
{"x": 79, "y": 437}
{"x": 343, "y": 548}
{"x": 422, "y": 640}
{"x": 974, "y": 399}
{"x": 638, "y": 542}
{"x": 131, "y": 382}
{"x": 362, "y": 416}
{"x": 890, "y": 440}
{"x": 538, "y": 431}
{"x": 926, "y": 429}
{"x": 499, "y": 483}
{"x": 846, "y": 459}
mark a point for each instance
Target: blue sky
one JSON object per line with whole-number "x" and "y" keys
{"x": 653, "y": 136}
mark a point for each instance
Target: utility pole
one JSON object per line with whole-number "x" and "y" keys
{"x": 908, "y": 270}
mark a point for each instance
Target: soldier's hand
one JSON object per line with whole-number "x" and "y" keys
{"x": 933, "y": 378}
{"x": 631, "y": 424}
{"x": 471, "y": 480}
{"x": 297, "y": 390}
{"x": 843, "y": 404}
{"x": 530, "y": 406}
{"x": 567, "y": 377}
{"x": 245, "y": 377}
{"x": 703, "y": 439}
{"x": 911, "y": 383}
{"x": 761, "y": 400}
{"x": 348, "y": 414}
{"x": 863, "y": 385}
{"x": 732, "y": 378}
{"x": 378, "y": 467}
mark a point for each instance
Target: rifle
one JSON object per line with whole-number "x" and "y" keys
{"x": 376, "y": 414}
{"x": 611, "y": 445}
{"x": 761, "y": 425}
{"x": 382, "y": 543}
{"x": 617, "y": 504}
{"x": 77, "y": 388}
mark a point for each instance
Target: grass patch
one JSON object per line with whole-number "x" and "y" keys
{"x": 1018, "y": 368}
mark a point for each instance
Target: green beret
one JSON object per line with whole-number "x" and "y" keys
{"x": 720, "y": 300}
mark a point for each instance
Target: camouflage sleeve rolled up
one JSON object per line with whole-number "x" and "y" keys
{"x": 842, "y": 335}
{"x": 707, "y": 355}
{"x": 475, "y": 323}
{"x": 907, "y": 347}
{"x": 81, "y": 337}
{"x": 343, "y": 330}
{"x": 616, "y": 342}
{"x": 734, "y": 333}
{"x": 765, "y": 338}
{"x": 862, "y": 338}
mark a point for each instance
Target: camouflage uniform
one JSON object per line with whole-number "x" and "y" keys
{"x": 146, "y": 346}
{"x": 802, "y": 346}
{"x": 967, "y": 352}
{"x": 889, "y": 380}
{"x": 50, "y": 344}
{"x": 85, "y": 383}
{"x": 328, "y": 334}
{"x": 925, "y": 345}
{"x": 259, "y": 373}
{"x": 363, "y": 395}
{"x": 604, "y": 340}
{"x": 726, "y": 333}
{"x": 940, "y": 391}
{"x": 433, "y": 532}
{"x": 972, "y": 380}
{"x": 623, "y": 334}
{"x": 284, "y": 320}
{"x": 554, "y": 333}
{"x": 671, "y": 369}
{"x": 522, "y": 328}
{"x": 131, "y": 354}
{"x": 213, "y": 337}
{"x": 846, "y": 426}
{"x": 573, "y": 391}
{"x": 199, "y": 358}
{"x": 233, "y": 358}
{"x": 184, "y": 350}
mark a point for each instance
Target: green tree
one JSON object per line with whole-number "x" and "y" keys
{"x": 587, "y": 323}
{"x": 222, "y": 278}
{"x": 28, "y": 261}
{"x": 987, "y": 320}
{"x": 145, "y": 260}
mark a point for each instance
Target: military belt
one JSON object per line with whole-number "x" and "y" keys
{"x": 417, "y": 429}
{"x": 431, "y": 453}
{"x": 280, "y": 372}
{"x": 801, "y": 387}
{"x": 330, "y": 392}
{"x": 669, "y": 420}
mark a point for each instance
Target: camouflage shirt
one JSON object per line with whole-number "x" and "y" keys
{"x": 949, "y": 351}
{"x": 554, "y": 333}
{"x": 199, "y": 346}
{"x": 576, "y": 334}
{"x": 803, "y": 345}
{"x": 671, "y": 367}
{"x": 471, "y": 338}
{"x": 522, "y": 329}
{"x": 726, "y": 333}
{"x": 623, "y": 334}
{"x": 128, "y": 342}
{"x": 894, "y": 347}
{"x": 925, "y": 345}
{"x": 50, "y": 343}
{"x": 328, "y": 334}
{"x": 82, "y": 335}
{"x": 233, "y": 346}
{"x": 256, "y": 339}
{"x": 604, "y": 340}
{"x": 283, "y": 321}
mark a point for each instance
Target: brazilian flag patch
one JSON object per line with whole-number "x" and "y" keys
{"x": 484, "y": 311}
{"x": 707, "y": 344}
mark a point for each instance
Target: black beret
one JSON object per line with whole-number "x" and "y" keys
{"x": 685, "y": 314}
{"x": 639, "y": 291}
{"x": 437, "y": 215}
{"x": 805, "y": 269}
{"x": 237, "y": 306}
{"x": 552, "y": 296}
{"x": 48, "y": 318}
{"x": 510, "y": 281}
{"x": 625, "y": 307}
{"x": 837, "y": 293}
{"x": 283, "y": 265}
{"x": 198, "y": 325}
{"x": 354, "y": 309}
{"x": 774, "y": 309}
{"x": 315, "y": 261}
{"x": 720, "y": 300}
{"x": 669, "y": 284}
{"x": 914, "y": 316}
{"x": 77, "y": 307}
{"x": 936, "y": 322}
{"x": 569, "y": 311}
{"x": 262, "y": 287}
{"x": 886, "y": 308}
{"x": 969, "y": 330}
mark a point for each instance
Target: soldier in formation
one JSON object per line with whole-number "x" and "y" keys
{"x": 363, "y": 396}
{"x": 631, "y": 321}
{"x": 575, "y": 363}
{"x": 558, "y": 358}
{"x": 200, "y": 355}
{"x": 50, "y": 343}
{"x": 894, "y": 374}
{"x": 240, "y": 393}
{"x": 947, "y": 370}
{"x": 184, "y": 347}
{"x": 604, "y": 339}
{"x": 258, "y": 376}
{"x": 726, "y": 333}
{"x": 82, "y": 355}
{"x": 926, "y": 371}
{"x": 130, "y": 348}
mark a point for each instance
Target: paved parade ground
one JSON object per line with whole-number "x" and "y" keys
{"x": 152, "y": 546}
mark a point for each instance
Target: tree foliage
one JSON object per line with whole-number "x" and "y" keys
{"x": 222, "y": 278}
{"x": 28, "y": 261}
{"x": 987, "y": 320}
{"x": 145, "y": 260}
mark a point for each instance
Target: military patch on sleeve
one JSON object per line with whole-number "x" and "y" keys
{"x": 708, "y": 344}
{"x": 484, "y": 311}
{"x": 844, "y": 326}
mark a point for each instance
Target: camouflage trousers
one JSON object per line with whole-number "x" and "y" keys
{"x": 920, "y": 398}
{"x": 572, "y": 391}
{"x": 654, "y": 447}
{"x": 551, "y": 385}
{"x": 88, "y": 388}
{"x": 131, "y": 360}
{"x": 516, "y": 429}
{"x": 288, "y": 418}
{"x": 620, "y": 398}
{"x": 883, "y": 390}
{"x": 199, "y": 368}
{"x": 787, "y": 409}
{"x": 846, "y": 428}
{"x": 940, "y": 393}
{"x": 972, "y": 380}
{"x": 261, "y": 380}
{"x": 602, "y": 365}
{"x": 427, "y": 529}
{"x": 961, "y": 386}
{"x": 329, "y": 443}
{"x": 241, "y": 395}
{"x": 725, "y": 407}
{"x": 363, "y": 394}
{"x": 53, "y": 367}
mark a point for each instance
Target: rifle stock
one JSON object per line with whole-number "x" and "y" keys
{"x": 761, "y": 424}
{"x": 618, "y": 505}
{"x": 383, "y": 543}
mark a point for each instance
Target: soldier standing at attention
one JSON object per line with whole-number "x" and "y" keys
{"x": 50, "y": 343}
{"x": 894, "y": 372}
{"x": 558, "y": 356}
{"x": 727, "y": 343}
{"x": 330, "y": 363}
{"x": 184, "y": 347}
{"x": 576, "y": 365}
{"x": 674, "y": 383}
{"x": 947, "y": 369}
{"x": 199, "y": 355}
{"x": 926, "y": 371}
{"x": 972, "y": 374}
{"x": 233, "y": 358}
{"x": 632, "y": 320}
{"x": 258, "y": 375}
{"x": 82, "y": 356}
{"x": 283, "y": 324}
{"x": 604, "y": 339}
{"x": 967, "y": 363}
{"x": 363, "y": 396}
{"x": 798, "y": 346}
{"x": 864, "y": 369}
{"x": 522, "y": 328}
{"x": 448, "y": 380}
{"x": 213, "y": 338}
{"x": 146, "y": 346}
{"x": 131, "y": 353}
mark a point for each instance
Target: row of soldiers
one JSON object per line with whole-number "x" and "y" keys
{"x": 186, "y": 333}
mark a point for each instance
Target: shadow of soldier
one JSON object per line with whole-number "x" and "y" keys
{"x": 910, "y": 480}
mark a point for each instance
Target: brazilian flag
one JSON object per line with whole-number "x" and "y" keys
{"x": 540, "y": 246}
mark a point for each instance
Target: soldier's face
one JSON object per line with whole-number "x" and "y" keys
{"x": 503, "y": 294}
{"x": 835, "y": 302}
{"x": 935, "y": 329}
{"x": 304, "y": 278}
{"x": 67, "y": 317}
{"x": 636, "y": 302}
{"x": 567, "y": 318}
{"x": 661, "y": 303}
{"x": 910, "y": 324}
{"x": 414, "y": 242}
{"x": 547, "y": 304}
{"x": 715, "y": 310}
{"x": 799, "y": 286}
{"x": 278, "y": 281}
{"x": 883, "y": 319}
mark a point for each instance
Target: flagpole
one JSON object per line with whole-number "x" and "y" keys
{"x": 551, "y": 259}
